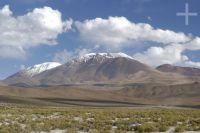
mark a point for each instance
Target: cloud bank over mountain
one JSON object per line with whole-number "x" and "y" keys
{"x": 119, "y": 33}
{"x": 41, "y": 26}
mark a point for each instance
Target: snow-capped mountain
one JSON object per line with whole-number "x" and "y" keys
{"x": 94, "y": 68}
{"x": 89, "y": 56}
{"x": 36, "y": 69}
{"x": 26, "y": 77}
{"x": 91, "y": 68}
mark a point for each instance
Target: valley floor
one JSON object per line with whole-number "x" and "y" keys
{"x": 37, "y": 119}
{"x": 112, "y": 108}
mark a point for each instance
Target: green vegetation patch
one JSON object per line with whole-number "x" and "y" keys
{"x": 97, "y": 120}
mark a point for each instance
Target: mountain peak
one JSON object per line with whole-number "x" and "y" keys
{"x": 36, "y": 69}
{"x": 89, "y": 56}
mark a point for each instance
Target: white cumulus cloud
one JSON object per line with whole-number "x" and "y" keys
{"x": 41, "y": 26}
{"x": 170, "y": 54}
{"x": 63, "y": 56}
{"x": 66, "y": 55}
{"x": 118, "y": 32}
{"x": 194, "y": 44}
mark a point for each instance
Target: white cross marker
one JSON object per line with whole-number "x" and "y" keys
{"x": 186, "y": 14}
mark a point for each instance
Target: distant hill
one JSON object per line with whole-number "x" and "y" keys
{"x": 188, "y": 71}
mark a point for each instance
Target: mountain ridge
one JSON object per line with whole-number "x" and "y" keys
{"x": 97, "y": 68}
{"x": 188, "y": 71}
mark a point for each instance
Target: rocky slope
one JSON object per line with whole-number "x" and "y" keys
{"x": 109, "y": 68}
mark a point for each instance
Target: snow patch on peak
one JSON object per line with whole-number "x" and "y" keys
{"x": 36, "y": 69}
{"x": 87, "y": 57}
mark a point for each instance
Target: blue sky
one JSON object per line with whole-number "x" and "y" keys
{"x": 162, "y": 37}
